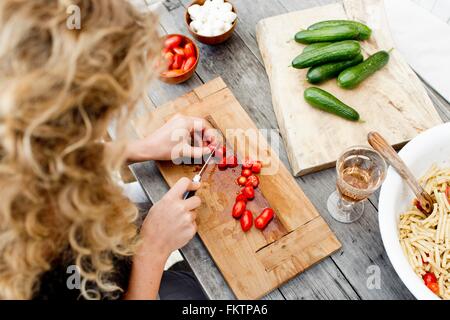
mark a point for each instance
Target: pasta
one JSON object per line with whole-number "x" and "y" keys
{"x": 425, "y": 240}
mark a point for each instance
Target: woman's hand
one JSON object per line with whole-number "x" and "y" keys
{"x": 173, "y": 141}
{"x": 169, "y": 226}
{"x": 170, "y": 223}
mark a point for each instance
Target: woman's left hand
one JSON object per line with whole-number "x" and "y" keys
{"x": 173, "y": 141}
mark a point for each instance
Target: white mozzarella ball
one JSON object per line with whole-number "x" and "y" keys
{"x": 226, "y": 27}
{"x": 229, "y": 17}
{"x": 226, "y": 7}
{"x": 205, "y": 31}
{"x": 194, "y": 10}
{"x": 196, "y": 25}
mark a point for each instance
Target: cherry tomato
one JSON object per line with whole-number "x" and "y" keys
{"x": 178, "y": 62}
{"x": 190, "y": 62}
{"x": 256, "y": 167}
{"x": 172, "y": 42}
{"x": 222, "y": 164}
{"x": 189, "y": 50}
{"x": 238, "y": 209}
{"x": 447, "y": 193}
{"x": 264, "y": 218}
{"x": 241, "y": 180}
{"x": 246, "y": 220}
{"x": 232, "y": 162}
{"x": 246, "y": 173}
{"x": 179, "y": 51}
{"x": 241, "y": 197}
{"x": 169, "y": 57}
{"x": 428, "y": 278}
{"x": 252, "y": 181}
{"x": 247, "y": 164}
{"x": 434, "y": 287}
{"x": 248, "y": 192}
{"x": 172, "y": 73}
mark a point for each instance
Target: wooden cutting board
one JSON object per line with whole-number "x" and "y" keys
{"x": 393, "y": 101}
{"x": 253, "y": 263}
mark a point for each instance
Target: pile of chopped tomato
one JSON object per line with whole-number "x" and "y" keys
{"x": 249, "y": 181}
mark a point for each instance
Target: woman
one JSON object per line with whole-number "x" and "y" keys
{"x": 60, "y": 206}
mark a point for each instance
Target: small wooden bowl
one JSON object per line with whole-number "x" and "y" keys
{"x": 188, "y": 74}
{"x": 214, "y": 39}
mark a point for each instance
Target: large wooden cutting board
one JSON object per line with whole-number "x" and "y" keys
{"x": 393, "y": 101}
{"x": 253, "y": 263}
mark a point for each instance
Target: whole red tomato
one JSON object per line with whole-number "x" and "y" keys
{"x": 238, "y": 209}
{"x": 264, "y": 218}
{"x": 248, "y": 192}
{"x": 246, "y": 220}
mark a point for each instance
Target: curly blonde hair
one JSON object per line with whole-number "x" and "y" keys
{"x": 61, "y": 89}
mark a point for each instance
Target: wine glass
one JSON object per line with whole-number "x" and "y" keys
{"x": 360, "y": 172}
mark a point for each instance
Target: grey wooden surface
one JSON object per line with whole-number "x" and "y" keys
{"x": 341, "y": 276}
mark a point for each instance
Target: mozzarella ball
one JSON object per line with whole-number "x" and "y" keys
{"x": 226, "y": 7}
{"x": 196, "y": 25}
{"x": 229, "y": 17}
{"x": 194, "y": 10}
{"x": 226, "y": 27}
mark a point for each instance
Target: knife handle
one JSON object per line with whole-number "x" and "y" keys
{"x": 189, "y": 194}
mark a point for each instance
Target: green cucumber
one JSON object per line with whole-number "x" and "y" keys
{"x": 353, "y": 76}
{"x": 339, "y": 51}
{"x": 325, "y": 101}
{"x": 327, "y": 34}
{"x": 364, "y": 31}
{"x": 327, "y": 71}
{"x": 316, "y": 45}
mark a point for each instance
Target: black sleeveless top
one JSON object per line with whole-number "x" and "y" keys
{"x": 57, "y": 283}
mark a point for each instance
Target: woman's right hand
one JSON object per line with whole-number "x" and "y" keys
{"x": 170, "y": 223}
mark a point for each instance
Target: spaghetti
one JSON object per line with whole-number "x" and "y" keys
{"x": 425, "y": 240}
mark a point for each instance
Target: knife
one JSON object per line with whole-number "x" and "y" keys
{"x": 198, "y": 176}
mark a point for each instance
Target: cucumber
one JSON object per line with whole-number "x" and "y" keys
{"x": 339, "y": 51}
{"x": 316, "y": 45}
{"x": 325, "y": 101}
{"x": 327, "y": 34}
{"x": 364, "y": 31}
{"x": 330, "y": 70}
{"x": 353, "y": 76}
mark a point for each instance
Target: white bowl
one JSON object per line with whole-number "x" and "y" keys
{"x": 428, "y": 148}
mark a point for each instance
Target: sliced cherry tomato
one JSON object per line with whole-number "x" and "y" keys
{"x": 428, "y": 278}
{"x": 246, "y": 220}
{"x": 256, "y": 167}
{"x": 247, "y": 164}
{"x": 252, "y": 181}
{"x": 232, "y": 162}
{"x": 241, "y": 180}
{"x": 189, "y": 50}
{"x": 447, "y": 193}
{"x": 241, "y": 197}
{"x": 173, "y": 41}
{"x": 264, "y": 218}
{"x": 246, "y": 173}
{"x": 238, "y": 209}
{"x": 169, "y": 57}
{"x": 172, "y": 73}
{"x": 222, "y": 164}
{"x": 248, "y": 192}
{"x": 179, "y": 51}
{"x": 177, "y": 62}
{"x": 433, "y": 286}
{"x": 190, "y": 62}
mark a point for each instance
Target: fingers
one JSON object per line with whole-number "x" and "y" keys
{"x": 183, "y": 185}
{"x": 192, "y": 203}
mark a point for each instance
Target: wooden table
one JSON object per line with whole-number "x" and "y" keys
{"x": 346, "y": 274}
